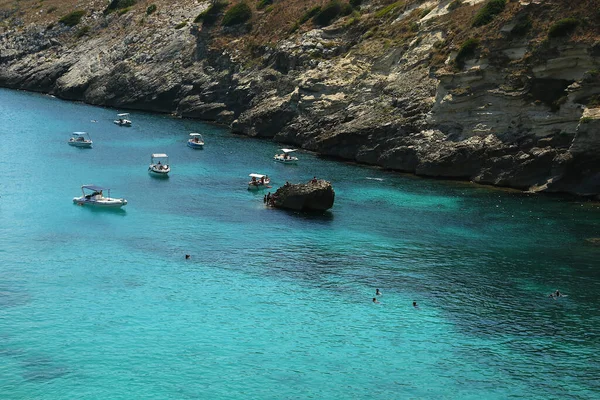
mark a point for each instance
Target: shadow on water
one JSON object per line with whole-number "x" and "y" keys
{"x": 317, "y": 216}
{"x": 115, "y": 211}
{"x": 42, "y": 368}
{"x": 161, "y": 177}
{"x": 12, "y": 297}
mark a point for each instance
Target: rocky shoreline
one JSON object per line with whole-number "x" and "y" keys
{"x": 506, "y": 118}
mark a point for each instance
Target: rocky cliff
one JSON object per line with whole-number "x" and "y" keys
{"x": 415, "y": 86}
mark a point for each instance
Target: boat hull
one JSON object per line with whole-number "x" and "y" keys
{"x": 102, "y": 203}
{"x": 154, "y": 170}
{"x": 194, "y": 145}
{"x": 290, "y": 160}
{"x": 127, "y": 123}
{"x": 80, "y": 144}
{"x": 257, "y": 187}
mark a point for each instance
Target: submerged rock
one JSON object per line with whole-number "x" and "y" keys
{"x": 316, "y": 195}
{"x": 595, "y": 241}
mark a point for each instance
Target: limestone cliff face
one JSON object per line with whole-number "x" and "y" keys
{"x": 385, "y": 88}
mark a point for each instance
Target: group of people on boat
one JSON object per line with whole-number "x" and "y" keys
{"x": 257, "y": 182}
{"x": 96, "y": 193}
{"x": 160, "y": 166}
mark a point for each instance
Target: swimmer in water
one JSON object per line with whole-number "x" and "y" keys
{"x": 377, "y": 292}
{"x": 375, "y": 300}
{"x": 415, "y": 304}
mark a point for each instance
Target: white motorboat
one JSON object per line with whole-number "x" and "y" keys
{"x": 196, "y": 141}
{"x": 258, "y": 181}
{"x": 122, "y": 120}
{"x": 285, "y": 157}
{"x": 159, "y": 164}
{"x": 80, "y": 139}
{"x": 94, "y": 196}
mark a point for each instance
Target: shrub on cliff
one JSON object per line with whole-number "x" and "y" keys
{"x": 83, "y": 31}
{"x": 563, "y": 28}
{"x": 390, "y": 9}
{"x": 72, "y": 18}
{"x": 210, "y": 15}
{"x": 115, "y": 5}
{"x": 355, "y": 3}
{"x": 309, "y": 14}
{"x": 454, "y": 5}
{"x": 151, "y": 9}
{"x": 487, "y": 13}
{"x": 238, "y": 14}
{"x": 263, "y": 4}
{"x": 522, "y": 26}
{"x": 466, "y": 50}
{"x": 328, "y": 13}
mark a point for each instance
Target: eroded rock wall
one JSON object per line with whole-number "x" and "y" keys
{"x": 508, "y": 117}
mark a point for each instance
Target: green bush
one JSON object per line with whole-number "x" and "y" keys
{"x": 124, "y": 10}
{"x": 210, "y": 15}
{"x": 263, "y": 4}
{"x": 309, "y": 14}
{"x": 84, "y": 30}
{"x": 454, "y": 5}
{"x": 466, "y": 50}
{"x": 388, "y": 9}
{"x": 355, "y": 3}
{"x": 72, "y": 18}
{"x": 119, "y": 5}
{"x": 181, "y": 25}
{"x": 487, "y": 13}
{"x": 151, "y": 9}
{"x": 238, "y": 14}
{"x": 562, "y": 28}
{"x": 425, "y": 11}
{"x": 522, "y": 26}
{"x": 346, "y": 9}
{"x": 593, "y": 102}
{"x": 294, "y": 28}
{"x": 328, "y": 13}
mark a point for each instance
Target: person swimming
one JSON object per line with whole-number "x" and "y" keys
{"x": 377, "y": 292}
{"x": 415, "y": 304}
{"x": 375, "y": 300}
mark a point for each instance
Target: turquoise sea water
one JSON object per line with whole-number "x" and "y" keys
{"x": 98, "y": 304}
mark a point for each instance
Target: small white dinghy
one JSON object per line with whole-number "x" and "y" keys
{"x": 80, "y": 139}
{"x": 159, "y": 164}
{"x": 122, "y": 120}
{"x": 285, "y": 157}
{"x": 258, "y": 181}
{"x": 93, "y": 195}
{"x": 196, "y": 141}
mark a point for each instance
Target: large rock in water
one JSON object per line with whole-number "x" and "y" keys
{"x": 315, "y": 195}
